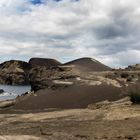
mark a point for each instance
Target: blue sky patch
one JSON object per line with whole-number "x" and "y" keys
{"x": 36, "y": 1}
{"x": 41, "y": 1}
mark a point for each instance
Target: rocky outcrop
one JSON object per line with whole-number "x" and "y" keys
{"x": 85, "y": 71}
{"x": 133, "y": 67}
{"x": 48, "y": 73}
{"x": 44, "y": 62}
{"x": 63, "y": 75}
{"x": 42, "y": 77}
{"x": 14, "y": 72}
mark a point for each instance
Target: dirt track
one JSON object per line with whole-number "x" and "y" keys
{"x": 113, "y": 121}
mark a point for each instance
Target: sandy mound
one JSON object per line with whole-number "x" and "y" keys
{"x": 79, "y": 96}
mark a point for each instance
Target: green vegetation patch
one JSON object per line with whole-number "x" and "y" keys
{"x": 135, "y": 97}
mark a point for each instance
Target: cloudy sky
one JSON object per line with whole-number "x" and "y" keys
{"x": 107, "y": 30}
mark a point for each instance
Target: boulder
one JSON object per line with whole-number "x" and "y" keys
{"x": 1, "y": 91}
{"x": 42, "y": 77}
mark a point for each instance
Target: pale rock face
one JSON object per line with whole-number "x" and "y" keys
{"x": 62, "y": 82}
{"x": 109, "y": 81}
{"x": 20, "y": 137}
{"x": 137, "y": 66}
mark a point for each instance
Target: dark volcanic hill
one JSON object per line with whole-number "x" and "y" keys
{"x": 88, "y": 64}
{"x": 43, "y": 77}
{"x": 45, "y": 62}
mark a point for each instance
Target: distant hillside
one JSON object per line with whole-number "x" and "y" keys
{"x": 17, "y": 72}
{"x": 45, "y": 62}
{"x": 88, "y": 64}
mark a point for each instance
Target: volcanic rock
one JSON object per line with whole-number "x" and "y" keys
{"x": 133, "y": 67}
{"x": 42, "y": 77}
{"x": 45, "y": 62}
{"x": 62, "y": 75}
{"x": 88, "y": 64}
{"x": 14, "y": 72}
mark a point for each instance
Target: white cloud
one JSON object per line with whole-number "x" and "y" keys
{"x": 107, "y": 30}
